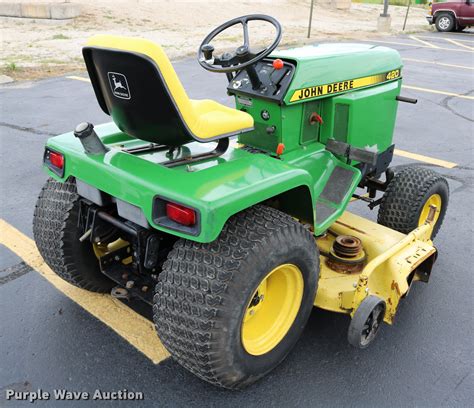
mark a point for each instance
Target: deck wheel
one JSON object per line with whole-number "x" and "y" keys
{"x": 366, "y": 322}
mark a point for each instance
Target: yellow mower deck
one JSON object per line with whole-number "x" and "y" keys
{"x": 394, "y": 261}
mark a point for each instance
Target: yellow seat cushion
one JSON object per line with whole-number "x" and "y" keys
{"x": 206, "y": 119}
{"x": 212, "y": 117}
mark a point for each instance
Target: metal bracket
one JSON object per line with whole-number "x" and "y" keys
{"x": 221, "y": 148}
{"x": 352, "y": 153}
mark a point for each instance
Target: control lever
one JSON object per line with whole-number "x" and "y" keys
{"x": 242, "y": 54}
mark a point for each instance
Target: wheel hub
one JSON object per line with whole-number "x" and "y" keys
{"x": 372, "y": 325}
{"x": 272, "y": 309}
{"x": 435, "y": 200}
{"x": 444, "y": 23}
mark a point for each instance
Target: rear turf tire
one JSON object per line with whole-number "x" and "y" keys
{"x": 407, "y": 197}
{"x": 57, "y": 237}
{"x": 205, "y": 291}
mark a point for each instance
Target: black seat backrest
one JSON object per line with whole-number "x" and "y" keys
{"x": 131, "y": 89}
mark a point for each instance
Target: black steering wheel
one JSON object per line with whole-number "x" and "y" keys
{"x": 243, "y": 57}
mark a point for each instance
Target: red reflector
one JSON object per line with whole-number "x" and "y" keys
{"x": 56, "y": 159}
{"x": 280, "y": 149}
{"x": 181, "y": 215}
{"x": 278, "y": 64}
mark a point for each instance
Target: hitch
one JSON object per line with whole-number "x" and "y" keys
{"x": 98, "y": 225}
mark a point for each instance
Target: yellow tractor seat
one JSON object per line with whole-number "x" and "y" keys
{"x": 137, "y": 86}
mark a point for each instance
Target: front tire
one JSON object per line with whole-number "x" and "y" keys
{"x": 445, "y": 22}
{"x": 406, "y": 202}
{"x": 57, "y": 237}
{"x": 231, "y": 310}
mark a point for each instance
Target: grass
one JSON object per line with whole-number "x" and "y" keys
{"x": 54, "y": 61}
{"x": 11, "y": 67}
{"x": 60, "y": 37}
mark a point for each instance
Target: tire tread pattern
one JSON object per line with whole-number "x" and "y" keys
{"x": 192, "y": 293}
{"x": 55, "y": 233}
{"x": 405, "y": 197}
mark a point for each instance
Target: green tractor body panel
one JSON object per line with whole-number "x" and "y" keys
{"x": 350, "y": 88}
{"x": 217, "y": 189}
{"x": 342, "y": 65}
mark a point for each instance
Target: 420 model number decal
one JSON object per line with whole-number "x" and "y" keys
{"x": 337, "y": 87}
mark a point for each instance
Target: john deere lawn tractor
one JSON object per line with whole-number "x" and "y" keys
{"x": 231, "y": 222}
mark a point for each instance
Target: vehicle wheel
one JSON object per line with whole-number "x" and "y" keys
{"x": 366, "y": 322}
{"x": 231, "y": 310}
{"x": 445, "y": 22}
{"x": 406, "y": 202}
{"x": 57, "y": 238}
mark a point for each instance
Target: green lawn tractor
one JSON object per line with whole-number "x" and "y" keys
{"x": 232, "y": 223}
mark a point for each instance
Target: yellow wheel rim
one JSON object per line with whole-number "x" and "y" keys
{"x": 272, "y": 309}
{"x": 435, "y": 199}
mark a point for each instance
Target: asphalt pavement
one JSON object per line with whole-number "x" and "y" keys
{"x": 48, "y": 342}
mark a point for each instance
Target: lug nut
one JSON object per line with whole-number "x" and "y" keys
{"x": 144, "y": 288}
{"x": 125, "y": 276}
{"x": 129, "y": 284}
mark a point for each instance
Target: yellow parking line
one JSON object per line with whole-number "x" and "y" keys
{"x": 423, "y": 42}
{"x": 134, "y": 328}
{"x": 458, "y": 44}
{"x": 426, "y": 159}
{"x": 78, "y": 78}
{"x": 416, "y": 45}
{"x": 442, "y": 38}
{"x": 435, "y": 91}
{"x": 438, "y": 63}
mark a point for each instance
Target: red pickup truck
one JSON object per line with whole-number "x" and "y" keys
{"x": 452, "y": 15}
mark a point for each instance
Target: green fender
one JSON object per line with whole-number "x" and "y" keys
{"x": 217, "y": 188}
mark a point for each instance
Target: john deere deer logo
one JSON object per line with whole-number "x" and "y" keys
{"x": 119, "y": 85}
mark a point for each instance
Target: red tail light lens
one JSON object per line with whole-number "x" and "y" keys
{"x": 180, "y": 214}
{"x": 56, "y": 159}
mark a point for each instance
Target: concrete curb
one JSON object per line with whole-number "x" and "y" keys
{"x": 5, "y": 79}
{"x": 54, "y": 11}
